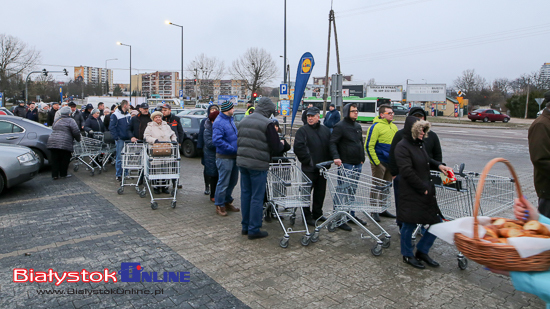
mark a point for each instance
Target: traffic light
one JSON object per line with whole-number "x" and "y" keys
{"x": 45, "y": 72}
{"x": 23, "y": 94}
{"x": 65, "y": 72}
{"x": 254, "y": 96}
{"x": 195, "y": 82}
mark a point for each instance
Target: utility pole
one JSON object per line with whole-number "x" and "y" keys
{"x": 527, "y": 101}
{"x": 331, "y": 23}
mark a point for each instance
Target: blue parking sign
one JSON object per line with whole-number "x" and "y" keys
{"x": 283, "y": 89}
{"x": 1, "y": 99}
{"x": 181, "y": 93}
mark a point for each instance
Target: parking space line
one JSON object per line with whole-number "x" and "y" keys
{"x": 59, "y": 244}
{"x": 45, "y": 197}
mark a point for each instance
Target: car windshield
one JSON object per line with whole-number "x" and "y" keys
{"x": 479, "y": 111}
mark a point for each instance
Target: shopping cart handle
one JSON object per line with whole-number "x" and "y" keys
{"x": 130, "y": 141}
{"x": 461, "y": 169}
{"x": 282, "y": 159}
{"x": 324, "y": 165}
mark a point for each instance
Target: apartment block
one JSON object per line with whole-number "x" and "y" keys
{"x": 93, "y": 75}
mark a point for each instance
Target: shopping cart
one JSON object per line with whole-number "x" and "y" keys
{"x": 162, "y": 170}
{"x": 132, "y": 166}
{"x": 87, "y": 152}
{"x": 457, "y": 200}
{"x": 288, "y": 191}
{"x": 354, "y": 191}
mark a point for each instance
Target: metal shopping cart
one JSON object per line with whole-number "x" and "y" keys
{"x": 354, "y": 191}
{"x": 132, "y": 166}
{"x": 457, "y": 200}
{"x": 162, "y": 169}
{"x": 87, "y": 152}
{"x": 288, "y": 191}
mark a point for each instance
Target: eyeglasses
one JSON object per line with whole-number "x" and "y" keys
{"x": 354, "y": 111}
{"x": 389, "y": 113}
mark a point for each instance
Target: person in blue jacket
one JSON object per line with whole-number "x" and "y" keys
{"x": 118, "y": 126}
{"x": 332, "y": 118}
{"x": 224, "y": 137}
{"x": 534, "y": 282}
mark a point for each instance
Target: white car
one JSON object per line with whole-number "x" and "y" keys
{"x": 202, "y": 105}
{"x": 539, "y": 113}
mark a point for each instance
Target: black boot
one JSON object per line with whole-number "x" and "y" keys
{"x": 426, "y": 258}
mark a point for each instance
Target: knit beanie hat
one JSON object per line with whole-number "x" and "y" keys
{"x": 157, "y": 113}
{"x": 94, "y": 111}
{"x": 227, "y": 105}
{"x": 65, "y": 110}
{"x": 212, "y": 116}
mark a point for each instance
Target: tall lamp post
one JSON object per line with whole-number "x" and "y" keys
{"x": 107, "y": 71}
{"x": 130, "y": 69}
{"x": 181, "y": 77}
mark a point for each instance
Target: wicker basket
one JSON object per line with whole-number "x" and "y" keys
{"x": 492, "y": 255}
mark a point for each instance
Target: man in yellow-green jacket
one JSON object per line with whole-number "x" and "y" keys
{"x": 377, "y": 147}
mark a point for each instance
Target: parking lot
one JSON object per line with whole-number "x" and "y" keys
{"x": 82, "y": 223}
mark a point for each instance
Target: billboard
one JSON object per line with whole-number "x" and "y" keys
{"x": 78, "y": 71}
{"x": 232, "y": 98}
{"x": 427, "y": 92}
{"x": 354, "y": 90}
{"x": 392, "y": 92}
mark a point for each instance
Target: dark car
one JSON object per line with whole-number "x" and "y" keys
{"x": 191, "y": 126}
{"x": 487, "y": 115}
{"x": 20, "y": 131}
{"x": 400, "y": 110}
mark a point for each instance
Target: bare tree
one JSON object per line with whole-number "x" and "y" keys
{"x": 371, "y": 82}
{"x": 204, "y": 67}
{"x": 470, "y": 82}
{"x": 15, "y": 58}
{"x": 502, "y": 86}
{"x": 256, "y": 67}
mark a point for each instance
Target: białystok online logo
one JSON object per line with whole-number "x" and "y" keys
{"x": 129, "y": 272}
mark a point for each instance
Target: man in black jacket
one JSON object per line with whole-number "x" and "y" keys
{"x": 311, "y": 146}
{"x": 173, "y": 121}
{"x": 51, "y": 114}
{"x": 138, "y": 124}
{"x": 77, "y": 116}
{"x": 430, "y": 143}
{"x": 346, "y": 146}
{"x": 20, "y": 110}
{"x": 88, "y": 111}
{"x": 304, "y": 113}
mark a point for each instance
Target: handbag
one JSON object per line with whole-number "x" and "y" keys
{"x": 161, "y": 150}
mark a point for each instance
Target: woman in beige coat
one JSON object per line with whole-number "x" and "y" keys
{"x": 159, "y": 131}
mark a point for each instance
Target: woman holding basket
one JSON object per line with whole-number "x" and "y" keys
{"x": 159, "y": 131}
{"x": 417, "y": 202}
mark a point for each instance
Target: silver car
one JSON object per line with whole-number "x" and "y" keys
{"x": 17, "y": 165}
{"x": 19, "y": 131}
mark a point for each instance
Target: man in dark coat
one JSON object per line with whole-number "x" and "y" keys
{"x": 346, "y": 146}
{"x": 32, "y": 112}
{"x": 138, "y": 124}
{"x": 311, "y": 146}
{"x": 88, "y": 111}
{"x": 304, "y": 113}
{"x": 539, "y": 151}
{"x": 417, "y": 201}
{"x": 332, "y": 118}
{"x": 430, "y": 143}
{"x": 77, "y": 116}
{"x": 94, "y": 124}
{"x": 51, "y": 114}
{"x": 173, "y": 121}
{"x": 20, "y": 110}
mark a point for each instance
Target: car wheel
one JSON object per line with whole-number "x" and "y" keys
{"x": 505, "y": 120}
{"x": 2, "y": 183}
{"x": 40, "y": 156}
{"x": 485, "y": 119}
{"x": 189, "y": 149}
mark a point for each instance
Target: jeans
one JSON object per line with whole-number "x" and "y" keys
{"x": 119, "y": 148}
{"x": 228, "y": 177}
{"x": 424, "y": 245}
{"x": 252, "y": 199}
{"x": 353, "y": 188}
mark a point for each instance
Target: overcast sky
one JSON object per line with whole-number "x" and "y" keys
{"x": 393, "y": 40}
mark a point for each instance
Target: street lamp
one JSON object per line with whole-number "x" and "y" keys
{"x": 181, "y": 77}
{"x": 130, "y": 69}
{"x": 107, "y": 71}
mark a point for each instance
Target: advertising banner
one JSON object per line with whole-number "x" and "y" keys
{"x": 285, "y": 108}
{"x": 392, "y": 92}
{"x": 305, "y": 66}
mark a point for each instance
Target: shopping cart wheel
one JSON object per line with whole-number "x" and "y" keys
{"x": 292, "y": 220}
{"x": 386, "y": 242}
{"x": 173, "y": 204}
{"x": 462, "y": 263}
{"x": 284, "y": 242}
{"x": 154, "y": 205}
{"x": 331, "y": 227}
{"x": 92, "y": 173}
{"x": 120, "y": 190}
{"x": 142, "y": 193}
{"x": 315, "y": 236}
{"x": 99, "y": 170}
{"x": 305, "y": 240}
{"x": 76, "y": 167}
{"x": 376, "y": 250}
{"x": 105, "y": 168}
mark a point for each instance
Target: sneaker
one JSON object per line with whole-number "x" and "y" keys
{"x": 261, "y": 234}
{"x": 207, "y": 190}
{"x": 230, "y": 207}
{"x": 118, "y": 178}
{"x": 220, "y": 210}
{"x": 345, "y": 227}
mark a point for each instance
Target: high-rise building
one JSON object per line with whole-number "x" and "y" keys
{"x": 164, "y": 84}
{"x": 545, "y": 70}
{"x": 92, "y": 75}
